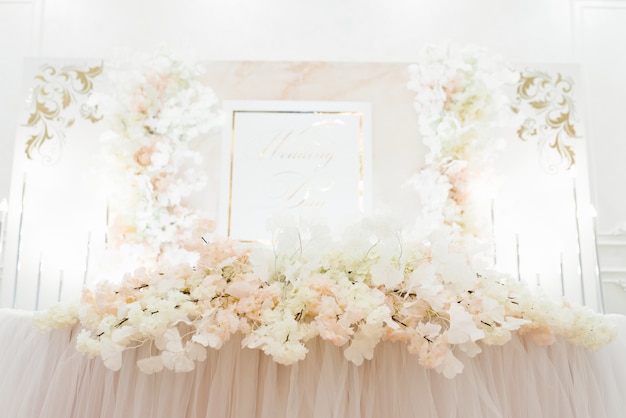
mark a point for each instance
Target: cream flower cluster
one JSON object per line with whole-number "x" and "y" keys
{"x": 354, "y": 292}
{"x": 158, "y": 113}
{"x": 460, "y": 99}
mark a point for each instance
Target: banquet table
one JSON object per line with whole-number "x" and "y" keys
{"x": 44, "y": 376}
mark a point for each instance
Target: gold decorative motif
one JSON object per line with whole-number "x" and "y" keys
{"x": 54, "y": 92}
{"x": 548, "y": 107}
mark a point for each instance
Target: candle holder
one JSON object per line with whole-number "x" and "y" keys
{"x": 517, "y": 258}
{"x": 19, "y": 243}
{"x": 578, "y": 245}
{"x": 60, "y": 292}
{"x": 87, "y": 258}
{"x": 39, "y": 270}
{"x": 562, "y": 274}
{"x": 4, "y": 210}
{"x": 493, "y": 233}
{"x": 594, "y": 214}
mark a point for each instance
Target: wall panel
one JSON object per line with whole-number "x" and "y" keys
{"x": 601, "y": 45}
{"x": 16, "y": 18}
{"x": 601, "y": 48}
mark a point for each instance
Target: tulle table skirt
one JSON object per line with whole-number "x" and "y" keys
{"x": 44, "y": 376}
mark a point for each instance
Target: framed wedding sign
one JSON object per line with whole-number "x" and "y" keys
{"x": 309, "y": 159}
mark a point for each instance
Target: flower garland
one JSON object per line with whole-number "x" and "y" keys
{"x": 355, "y": 292}
{"x": 157, "y": 114}
{"x": 460, "y": 99}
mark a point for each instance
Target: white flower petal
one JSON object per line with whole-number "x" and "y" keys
{"x": 195, "y": 351}
{"x": 384, "y": 274}
{"x": 150, "y": 365}
{"x": 462, "y": 326}
{"x": 177, "y": 361}
{"x": 111, "y": 354}
{"x": 451, "y": 365}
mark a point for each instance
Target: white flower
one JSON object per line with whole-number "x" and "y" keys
{"x": 240, "y": 289}
{"x": 263, "y": 262}
{"x": 87, "y": 344}
{"x": 462, "y": 326}
{"x": 451, "y": 365}
{"x": 57, "y": 316}
{"x": 287, "y": 352}
{"x": 177, "y": 361}
{"x": 111, "y": 354}
{"x": 208, "y": 339}
{"x": 367, "y": 336}
{"x": 452, "y": 267}
{"x": 150, "y": 365}
{"x": 170, "y": 340}
{"x": 123, "y": 335}
{"x": 385, "y": 275}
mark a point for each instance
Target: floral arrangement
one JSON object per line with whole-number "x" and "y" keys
{"x": 354, "y": 292}
{"x": 460, "y": 100}
{"x": 432, "y": 292}
{"x": 158, "y": 113}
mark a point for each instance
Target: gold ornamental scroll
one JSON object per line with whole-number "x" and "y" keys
{"x": 56, "y": 96}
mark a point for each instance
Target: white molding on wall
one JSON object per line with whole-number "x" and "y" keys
{"x": 599, "y": 3}
{"x": 37, "y": 15}
{"x": 615, "y": 270}
{"x": 580, "y": 34}
{"x": 608, "y": 248}
{"x": 612, "y": 269}
{"x": 36, "y": 34}
{"x": 618, "y": 282}
{"x": 578, "y": 7}
{"x": 612, "y": 239}
{"x": 612, "y": 243}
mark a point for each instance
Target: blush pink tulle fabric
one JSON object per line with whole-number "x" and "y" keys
{"x": 42, "y": 375}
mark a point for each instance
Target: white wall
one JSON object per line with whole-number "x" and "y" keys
{"x": 601, "y": 43}
{"x": 590, "y": 32}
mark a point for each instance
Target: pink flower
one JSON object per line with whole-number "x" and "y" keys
{"x": 541, "y": 336}
{"x": 143, "y": 156}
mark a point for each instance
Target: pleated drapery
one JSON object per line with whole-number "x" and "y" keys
{"x": 44, "y": 376}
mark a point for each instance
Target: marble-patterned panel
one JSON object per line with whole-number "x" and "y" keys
{"x": 396, "y": 148}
